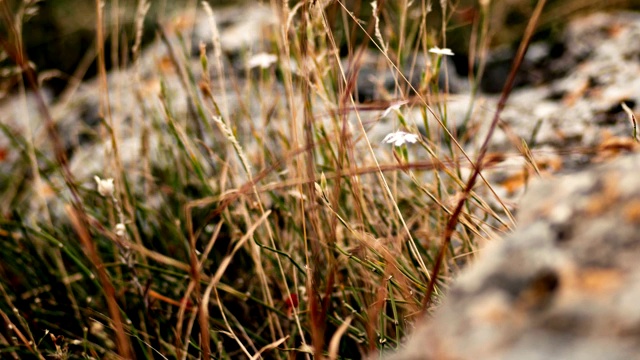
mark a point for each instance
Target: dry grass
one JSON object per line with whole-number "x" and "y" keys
{"x": 269, "y": 220}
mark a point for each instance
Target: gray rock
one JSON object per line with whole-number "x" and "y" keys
{"x": 595, "y": 74}
{"x": 565, "y": 285}
{"x": 137, "y": 111}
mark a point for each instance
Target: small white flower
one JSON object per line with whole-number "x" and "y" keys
{"x": 105, "y": 186}
{"x": 398, "y": 138}
{"x": 438, "y": 51}
{"x": 262, "y": 60}
{"x": 120, "y": 229}
{"x": 394, "y": 107}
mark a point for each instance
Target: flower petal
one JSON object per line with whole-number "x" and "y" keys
{"x": 438, "y": 51}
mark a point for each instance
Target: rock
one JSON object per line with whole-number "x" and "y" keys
{"x": 137, "y": 111}
{"x": 564, "y": 285}
{"x": 585, "y": 86}
{"x": 564, "y": 119}
{"x": 574, "y": 117}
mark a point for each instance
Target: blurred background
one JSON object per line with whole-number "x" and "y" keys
{"x": 59, "y": 35}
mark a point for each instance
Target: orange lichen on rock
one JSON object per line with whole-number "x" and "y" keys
{"x": 613, "y": 146}
{"x": 631, "y": 211}
{"x": 607, "y": 197}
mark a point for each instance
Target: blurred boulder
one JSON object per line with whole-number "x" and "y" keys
{"x": 578, "y": 103}
{"x": 563, "y": 286}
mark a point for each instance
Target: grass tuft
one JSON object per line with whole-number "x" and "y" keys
{"x": 256, "y": 211}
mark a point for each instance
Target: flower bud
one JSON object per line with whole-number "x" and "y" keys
{"x": 105, "y": 186}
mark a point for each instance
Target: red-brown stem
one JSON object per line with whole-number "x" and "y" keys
{"x": 506, "y": 91}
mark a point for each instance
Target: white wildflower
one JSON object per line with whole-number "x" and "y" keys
{"x": 394, "y": 107}
{"x": 105, "y": 186}
{"x": 120, "y": 229}
{"x": 262, "y": 60}
{"x": 398, "y": 138}
{"x": 438, "y": 51}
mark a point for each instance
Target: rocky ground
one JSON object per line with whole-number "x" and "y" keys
{"x": 563, "y": 285}
{"x": 570, "y": 113}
